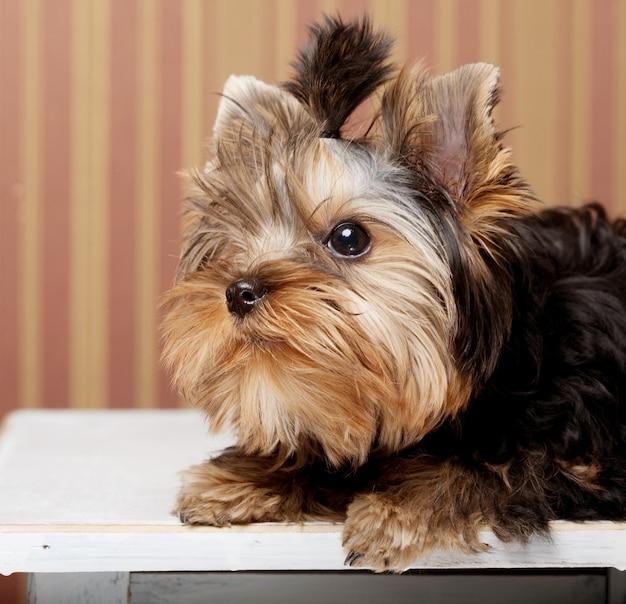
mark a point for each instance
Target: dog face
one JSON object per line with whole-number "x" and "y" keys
{"x": 316, "y": 308}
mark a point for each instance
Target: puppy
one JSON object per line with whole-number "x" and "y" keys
{"x": 402, "y": 339}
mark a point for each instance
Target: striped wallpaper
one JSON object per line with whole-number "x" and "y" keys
{"x": 103, "y": 101}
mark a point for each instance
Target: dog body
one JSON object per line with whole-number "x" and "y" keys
{"x": 400, "y": 337}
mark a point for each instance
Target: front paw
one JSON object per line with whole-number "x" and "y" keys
{"x": 197, "y": 508}
{"x": 377, "y": 535}
{"x": 386, "y": 536}
{"x": 211, "y": 495}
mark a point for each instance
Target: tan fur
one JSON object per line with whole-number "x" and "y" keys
{"x": 425, "y": 505}
{"x": 585, "y": 475}
{"x": 344, "y": 360}
{"x": 462, "y": 149}
{"x": 319, "y": 361}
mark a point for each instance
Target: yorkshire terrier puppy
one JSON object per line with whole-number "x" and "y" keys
{"x": 401, "y": 339}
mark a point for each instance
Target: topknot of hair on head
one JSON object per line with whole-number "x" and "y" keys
{"x": 341, "y": 66}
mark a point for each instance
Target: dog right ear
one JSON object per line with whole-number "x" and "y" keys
{"x": 249, "y": 107}
{"x": 445, "y": 125}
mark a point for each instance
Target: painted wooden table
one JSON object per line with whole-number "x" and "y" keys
{"x": 85, "y": 508}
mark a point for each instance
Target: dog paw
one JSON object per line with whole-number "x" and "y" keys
{"x": 198, "y": 507}
{"x": 209, "y": 496}
{"x": 379, "y": 536}
{"x": 385, "y": 536}
{"x": 201, "y": 511}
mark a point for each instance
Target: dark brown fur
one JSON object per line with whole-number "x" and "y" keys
{"x": 400, "y": 337}
{"x": 342, "y": 66}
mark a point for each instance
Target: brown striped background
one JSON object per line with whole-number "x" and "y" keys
{"x": 103, "y": 101}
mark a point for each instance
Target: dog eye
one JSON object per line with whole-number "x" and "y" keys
{"x": 349, "y": 239}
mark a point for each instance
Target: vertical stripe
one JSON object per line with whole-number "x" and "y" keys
{"x": 241, "y": 46}
{"x": 10, "y": 103}
{"x": 469, "y": 32}
{"x": 60, "y": 104}
{"x": 581, "y": 69}
{"x": 445, "y": 27}
{"x": 193, "y": 128}
{"x": 80, "y": 208}
{"x": 170, "y": 186}
{"x": 391, "y": 17}
{"x": 602, "y": 85}
{"x": 286, "y": 43}
{"x": 508, "y": 110}
{"x": 89, "y": 224}
{"x": 212, "y": 82}
{"x": 536, "y": 71}
{"x": 99, "y": 28}
{"x": 100, "y": 24}
{"x": 420, "y": 32}
{"x": 562, "y": 130}
{"x": 269, "y": 40}
{"x": 619, "y": 148}
{"x": 122, "y": 272}
{"x": 489, "y": 27}
{"x": 306, "y": 13}
{"x": 149, "y": 137}
{"x": 31, "y": 268}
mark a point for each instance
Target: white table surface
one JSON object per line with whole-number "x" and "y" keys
{"x": 92, "y": 491}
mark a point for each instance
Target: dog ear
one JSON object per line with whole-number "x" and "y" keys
{"x": 251, "y": 107}
{"x": 465, "y": 140}
{"x": 342, "y": 65}
{"x": 445, "y": 124}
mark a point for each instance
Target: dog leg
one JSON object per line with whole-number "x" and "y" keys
{"x": 417, "y": 505}
{"x": 236, "y": 488}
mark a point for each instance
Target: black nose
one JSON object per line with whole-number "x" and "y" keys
{"x": 244, "y": 294}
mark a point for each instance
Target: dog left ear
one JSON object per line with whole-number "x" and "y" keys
{"x": 251, "y": 107}
{"x": 445, "y": 124}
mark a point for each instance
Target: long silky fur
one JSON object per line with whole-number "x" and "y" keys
{"x": 467, "y": 371}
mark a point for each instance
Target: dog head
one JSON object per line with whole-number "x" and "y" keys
{"x": 327, "y": 287}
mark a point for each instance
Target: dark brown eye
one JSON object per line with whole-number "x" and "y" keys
{"x": 349, "y": 239}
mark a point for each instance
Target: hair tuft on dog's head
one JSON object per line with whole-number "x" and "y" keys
{"x": 343, "y": 64}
